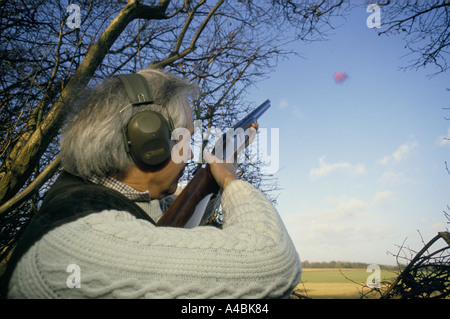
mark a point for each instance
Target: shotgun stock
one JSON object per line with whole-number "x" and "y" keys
{"x": 203, "y": 182}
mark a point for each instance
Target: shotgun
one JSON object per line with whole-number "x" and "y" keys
{"x": 203, "y": 183}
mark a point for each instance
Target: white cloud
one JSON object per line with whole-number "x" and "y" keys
{"x": 384, "y": 160}
{"x": 437, "y": 227}
{"x": 444, "y": 140}
{"x": 380, "y": 196}
{"x": 343, "y": 228}
{"x": 351, "y": 206}
{"x": 283, "y": 103}
{"x": 400, "y": 154}
{"x": 325, "y": 169}
{"x": 383, "y": 199}
{"x": 392, "y": 178}
{"x": 297, "y": 113}
{"x": 403, "y": 151}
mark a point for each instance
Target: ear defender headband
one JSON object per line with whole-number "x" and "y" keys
{"x": 147, "y": 135}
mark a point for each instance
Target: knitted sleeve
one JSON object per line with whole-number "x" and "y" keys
{"x": 111, "y": 254}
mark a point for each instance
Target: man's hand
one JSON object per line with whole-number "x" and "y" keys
{"x": 224, "y": 172}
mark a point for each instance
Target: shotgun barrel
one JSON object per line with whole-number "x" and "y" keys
{"x": 203, "y": 182}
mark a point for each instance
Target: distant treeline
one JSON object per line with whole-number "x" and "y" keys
{"x": 343, "y": 264}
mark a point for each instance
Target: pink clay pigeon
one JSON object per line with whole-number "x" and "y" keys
{"x": 340, "y": 77}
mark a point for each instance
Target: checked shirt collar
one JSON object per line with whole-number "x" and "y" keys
{"x": 128, "y": 191}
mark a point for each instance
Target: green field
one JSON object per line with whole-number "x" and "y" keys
{"x": 319, "y": 283}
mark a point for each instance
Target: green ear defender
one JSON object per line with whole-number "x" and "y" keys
{"x": 147, "y": 135}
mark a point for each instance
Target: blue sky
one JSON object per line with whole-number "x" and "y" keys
{"x": 362, "y": 163}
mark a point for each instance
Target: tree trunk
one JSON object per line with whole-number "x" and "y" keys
{"x": 27, "y": 156}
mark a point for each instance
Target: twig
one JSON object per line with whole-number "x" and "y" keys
{"x": 410, "y": 265}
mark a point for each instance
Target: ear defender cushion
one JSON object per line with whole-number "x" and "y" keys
{"x": 148, "y": 139}
{"x": 147, "y": 135}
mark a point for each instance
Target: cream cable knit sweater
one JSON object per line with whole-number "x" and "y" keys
{"x": 123, "y": 257}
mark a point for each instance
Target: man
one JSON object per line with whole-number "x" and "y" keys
{"x": 95, "y": 234}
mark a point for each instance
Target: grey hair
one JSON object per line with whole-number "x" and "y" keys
{"x": 92, "y": 141}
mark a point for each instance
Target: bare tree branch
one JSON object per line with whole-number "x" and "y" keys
{"x": 43, "y": 177}
{"x": 26, "y": 154}
{"x": 425, "y": 26}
